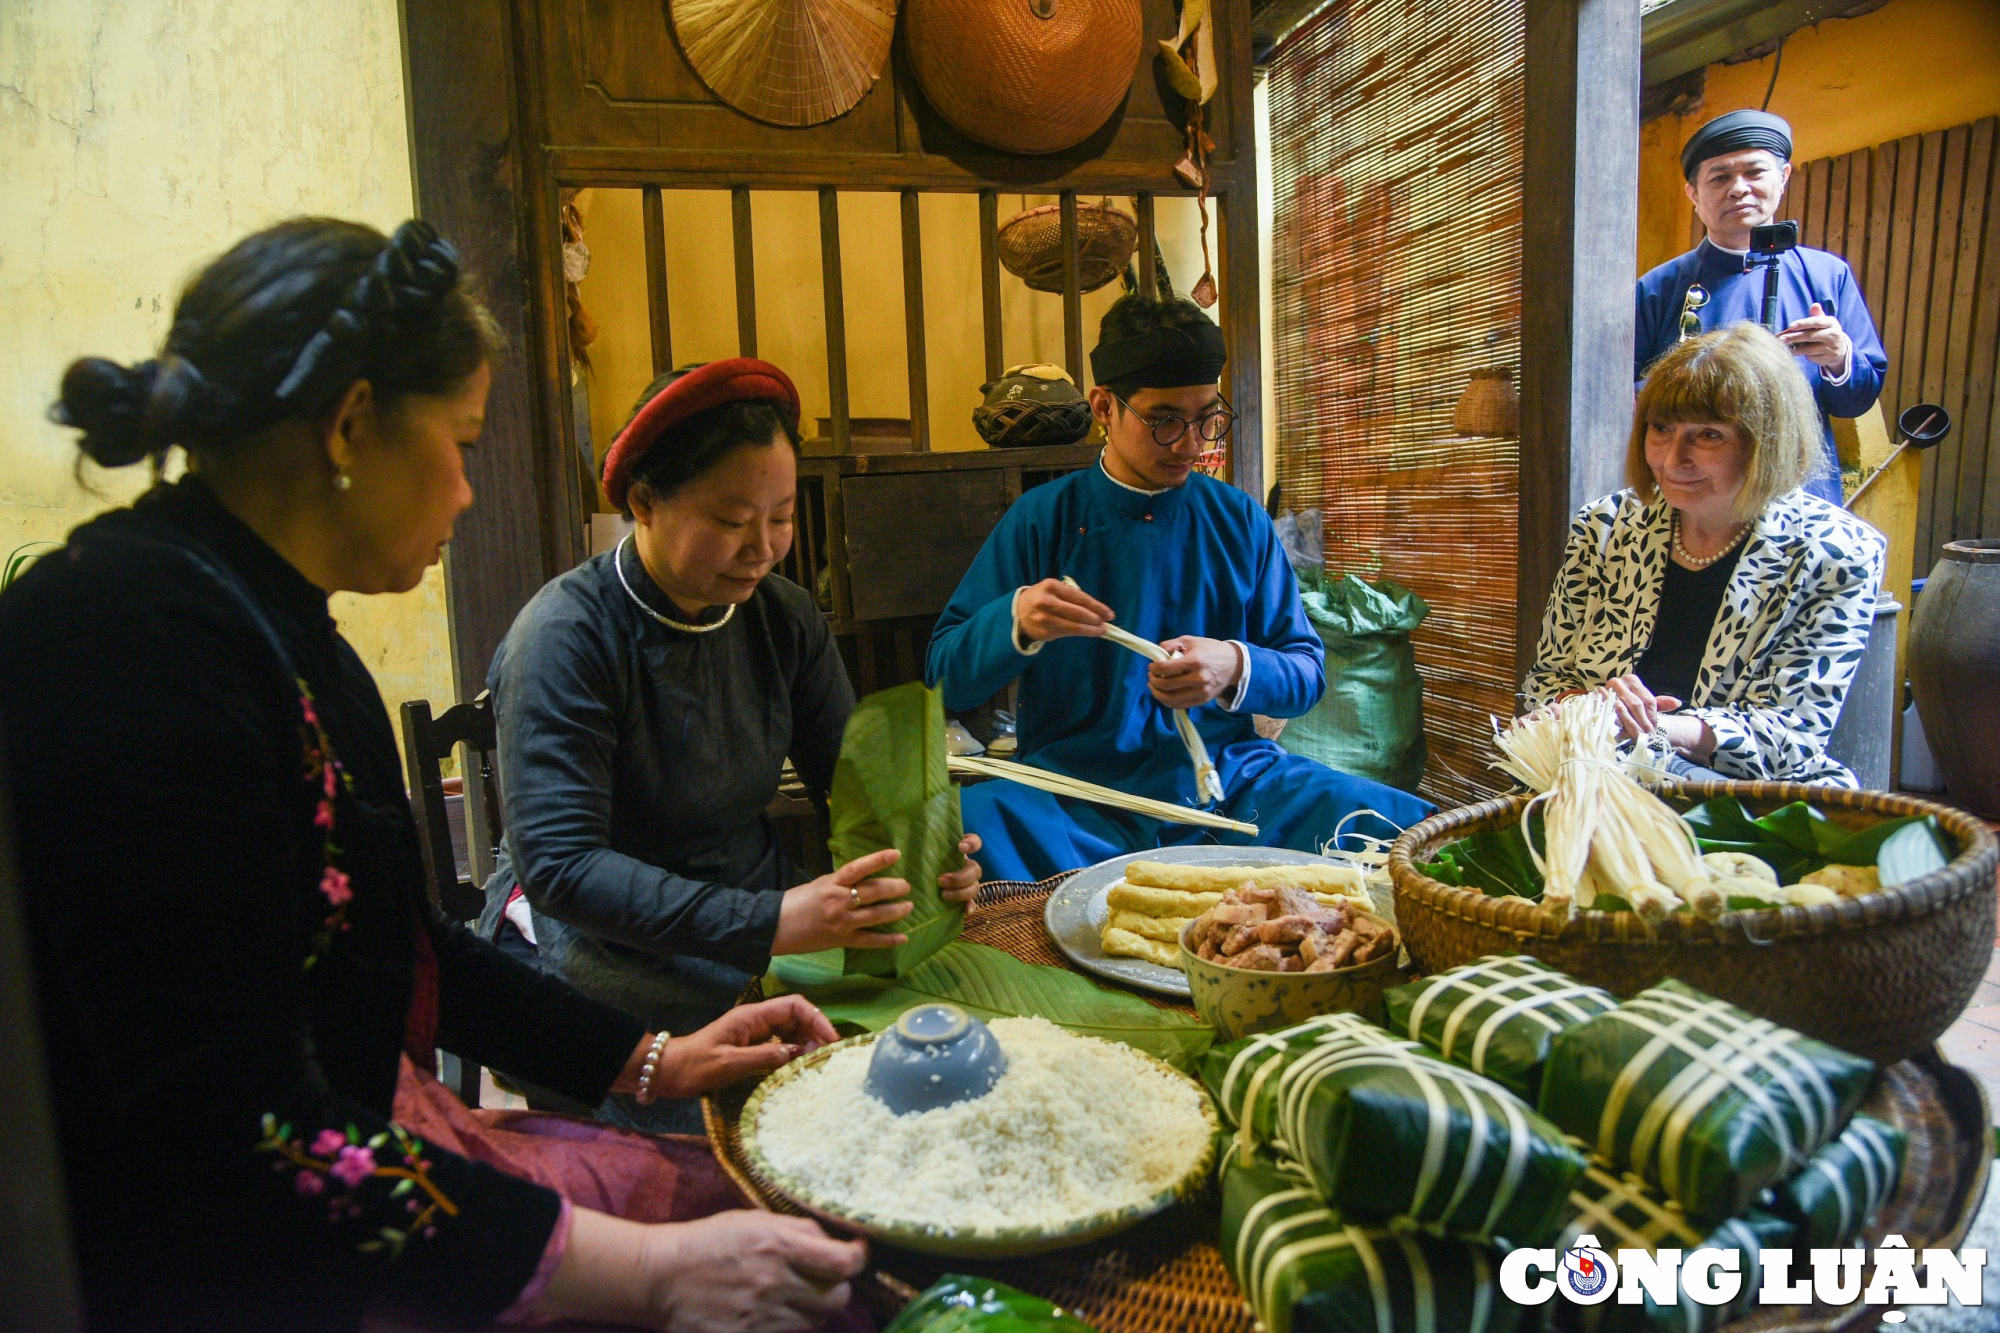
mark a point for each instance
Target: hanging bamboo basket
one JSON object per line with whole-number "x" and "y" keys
{"x": 1489, "y": 405}
{"x": 788, "y": 62}
{"x": 1024, "y": 76}
{"x": 1031, "y": 245}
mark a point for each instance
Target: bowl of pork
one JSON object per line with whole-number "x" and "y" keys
{"x": 1263, "y": 959}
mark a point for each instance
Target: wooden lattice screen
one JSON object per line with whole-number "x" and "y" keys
{"x": 1918, "y": 220}
{"x": 1396, "y": 132}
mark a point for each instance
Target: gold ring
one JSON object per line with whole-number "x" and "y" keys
{"x": 854, "y": 897}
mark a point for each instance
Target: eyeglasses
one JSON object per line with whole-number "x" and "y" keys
{"x": 1168, "y": 430}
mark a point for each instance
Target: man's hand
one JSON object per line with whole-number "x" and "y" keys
{"x": 1206, "y": 670}
{"x": 1053, "y": 609}
{"x": 1819, "y": 339}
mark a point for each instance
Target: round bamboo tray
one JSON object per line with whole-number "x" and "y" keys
{"x": 1167, "y": 1273}
{"x": 1882, "y": 975}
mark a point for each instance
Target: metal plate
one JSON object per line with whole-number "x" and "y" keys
{"x": 1076, "y": 910}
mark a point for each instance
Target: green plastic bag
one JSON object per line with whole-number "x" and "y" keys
{"x": 1304, "y": 1268}
{"x": 960, "y": 1304}
{"x": 890, "y": 789}
{"x": 1370, "y": 722}
{"x": 1385, "y": 1130}
{"x": 1706, "y": 1103}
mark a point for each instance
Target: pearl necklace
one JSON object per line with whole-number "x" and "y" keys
{"x": 1703, "y": 562}
{"x": 617, "y": 565}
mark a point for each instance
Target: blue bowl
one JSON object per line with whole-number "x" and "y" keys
{"x": 935, "y": 1055}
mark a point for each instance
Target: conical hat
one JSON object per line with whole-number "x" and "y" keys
{"x": 789, "y": 62}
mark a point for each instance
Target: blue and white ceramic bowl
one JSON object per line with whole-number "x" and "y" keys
{"x": 935, "y": 1055}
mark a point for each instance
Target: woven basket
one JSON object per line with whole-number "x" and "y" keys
{"x": 1009, "y": 78}
{"x": 1881, "y": 975}
{"x": 1031, "y": 245}
{"x": 1489, "y": 405}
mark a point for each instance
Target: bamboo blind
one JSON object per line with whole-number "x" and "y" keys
{"x": 1918, "y": 220}
{"x": 1396, "y": 168}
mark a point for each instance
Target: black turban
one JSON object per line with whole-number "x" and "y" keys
{"x": 1733, "y": 133}
{"x": 1173, "y": 358}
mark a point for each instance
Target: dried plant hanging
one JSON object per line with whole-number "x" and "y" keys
{"x": 788, "y": 62}
{"x": 1189, "y": 59}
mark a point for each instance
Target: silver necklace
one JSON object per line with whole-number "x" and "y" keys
{"x": 618, "y": 565}
{"x": 1703, "y": 562}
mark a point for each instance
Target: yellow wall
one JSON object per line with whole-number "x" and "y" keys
{"x": 139, "y": 140}
{"x": 1910, "y": 67}
{"x": 791, "y": 325}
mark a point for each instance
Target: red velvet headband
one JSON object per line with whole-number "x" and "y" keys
{"x": 735, "y": 380}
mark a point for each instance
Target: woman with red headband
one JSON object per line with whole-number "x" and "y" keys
{"x": 647, "y": 701}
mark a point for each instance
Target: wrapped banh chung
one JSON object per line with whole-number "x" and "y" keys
{"x": 1622, "y": 1214}
{"x": 1843, "y": 1185}
{"x": 1386, "y": 1130}
{"x": 1703, "y": 1101}
{"x": 1496, "y": 1016}
{"x": 1305, "y": 1270}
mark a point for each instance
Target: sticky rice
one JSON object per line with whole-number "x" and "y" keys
{"x": 1076, "y": 1127}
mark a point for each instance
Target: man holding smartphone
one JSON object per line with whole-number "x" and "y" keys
{"x": 1737, "y": 166}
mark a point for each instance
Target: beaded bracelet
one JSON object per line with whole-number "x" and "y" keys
{"x": 651, "y": 1067}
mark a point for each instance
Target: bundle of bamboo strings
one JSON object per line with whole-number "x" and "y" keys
{"x": 1042, "y": 779}
{"x": 1604, "y": 836}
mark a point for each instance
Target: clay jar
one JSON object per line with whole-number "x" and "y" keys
{"x": 1955, "y": 671}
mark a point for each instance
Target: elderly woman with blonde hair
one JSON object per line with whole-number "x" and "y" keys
{"x": 1724, "y": 608}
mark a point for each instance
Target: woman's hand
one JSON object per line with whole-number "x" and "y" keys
{"x": 1053, "y": 609}
{"x": 747, "y": 1271}
{"x": 1205, "y": 670}
{"x": 1637, "y": 708}
{"x": 749, "y": 1039}
{"x": 841, "y": 910}
{"x": 962, "y": 885}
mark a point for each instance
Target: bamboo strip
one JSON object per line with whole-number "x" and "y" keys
{"x": 1056, "y": 784}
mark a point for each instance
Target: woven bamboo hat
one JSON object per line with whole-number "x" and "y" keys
{"x": 1026, "y": 76}
{"x": 1031, "y": 245}
{"x": 789, "y": 62}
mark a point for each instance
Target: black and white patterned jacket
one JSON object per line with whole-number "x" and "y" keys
{"x": 1786, "y": 644}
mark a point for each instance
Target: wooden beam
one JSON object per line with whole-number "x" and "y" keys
{"x": 913, "y": 321}
{"x": 1580, "y": 172}
{"x": 836, "y": 316}
{"x": 1243, "y": 375}
{"x": 1072, "y": 292}
{"x": 989, "y": 282}
{"x": 658, "y": 318}
{"x": 746, "y": 272}
{"x": 466, "y": 164}
{"x": 1149, "y": 249}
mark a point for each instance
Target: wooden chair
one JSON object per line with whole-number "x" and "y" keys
{"x": 458, "y": 892}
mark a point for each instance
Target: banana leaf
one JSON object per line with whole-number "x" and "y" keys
{"x": 1620, "y": 1213}
{"x": 1496, "y": 1016}
{"x": 990, "y": 983}
{"x": 1704, "y": 1102}
{"x": 960, "y": 1304}
{"x": 1494, "y": 861}
{"x": 1385, "y": 1130}
{"x": 1844, "y": 1183}
{"x": 1796, "y": 839}
{"x": 1305, "y": 1269}
{"x": 890, "y": 789}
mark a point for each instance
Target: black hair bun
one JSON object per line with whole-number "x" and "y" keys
{"x": 109, "y": 404}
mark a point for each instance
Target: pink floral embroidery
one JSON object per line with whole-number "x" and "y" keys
{"x": 335, "y": 886}
{"x": 326, "y": 775}
{"x": 350, "y": 1163}
{"x": 354, "y": 1165}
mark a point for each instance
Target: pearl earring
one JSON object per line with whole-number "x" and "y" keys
{"x": 341, "y": 481}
